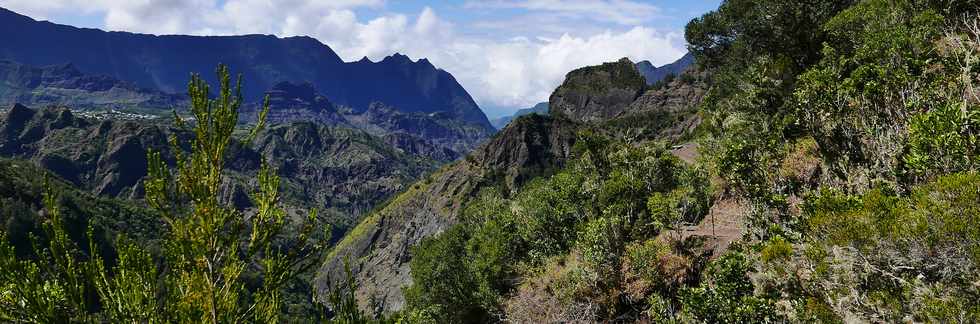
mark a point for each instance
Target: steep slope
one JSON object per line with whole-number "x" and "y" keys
{"x": 597, "y": 93}
{"x": 21, "y": 192}
{"x": 163, "y": 63}
{"x": 541, "y": 109}
{"x": 290, "y": 102}
{"x": 437, "y": 135}
{"x": 65, "y": 85}
{"x": 341, "y": 171}
{"x": 378, "y": 249}
{"x": 668, "y": 112}
{"x": 613, "y": 98}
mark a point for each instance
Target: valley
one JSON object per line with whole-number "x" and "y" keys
{"x": 801, "y": 162}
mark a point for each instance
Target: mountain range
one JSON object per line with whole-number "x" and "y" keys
{"x": 65, "y": 85}
{"x": 655, "y": 74}
{"x": 348, "y": 138}
{"x": 164, "y": 63}
{"x": 541, "y": 108}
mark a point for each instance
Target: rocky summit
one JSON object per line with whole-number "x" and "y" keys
{"x": 597, "y": 93}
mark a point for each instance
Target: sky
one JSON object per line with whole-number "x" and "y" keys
{"x": 508, "y": 54}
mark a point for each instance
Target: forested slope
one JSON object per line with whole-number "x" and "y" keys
{"x": 841, "y": 135}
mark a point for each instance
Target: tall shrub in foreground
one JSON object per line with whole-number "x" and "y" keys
{"x": 217, "y": 264}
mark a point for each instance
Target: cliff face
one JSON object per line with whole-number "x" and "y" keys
{"x": 343, "y": 172}
{"x": 611, "y": 98}
{"x": 597, "y": 93}
{"x": 378, "y": 249}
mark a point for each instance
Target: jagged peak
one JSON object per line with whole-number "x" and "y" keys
{"x": 397, "y": 58}
{"x": 18, "y": 108}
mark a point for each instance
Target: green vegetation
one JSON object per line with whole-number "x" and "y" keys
{"x": 214, "y": 264}
{"x": 841, "y": 138}
{"x": 849, "y": 129}
{"x": 613, "y": 197}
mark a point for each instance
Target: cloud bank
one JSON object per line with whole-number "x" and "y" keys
{"x": 505, "y": 63}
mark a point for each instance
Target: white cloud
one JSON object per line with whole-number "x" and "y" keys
{"x": 624, "y": 12}
{"x": 520, "y": 72}
{"x": 502, "y": 74}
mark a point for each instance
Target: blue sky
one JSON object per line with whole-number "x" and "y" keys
{"x": 508, "y": 54}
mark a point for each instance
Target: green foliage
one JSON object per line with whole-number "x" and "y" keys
{"x": 460, "y": 275}
{"x": 940, "y": 140}
{"x": 913, "y": 254}
{"x": 52, "y": 289}
{"x": 594, "y": 207}
{"x": 547, "y": 212}
{"x": 208, "y": 247}
{"x": 776, "y": 250}
{"x": 441, "y": 281}
{"x": 726, "y": 295}
{"x": 857, "y": 100}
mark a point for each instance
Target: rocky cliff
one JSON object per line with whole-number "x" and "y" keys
{"x": 597, "y": 93}
{"x": 343, "y": 172}
{"x": 378, "y": 249}
{"x": 611, "y": 98}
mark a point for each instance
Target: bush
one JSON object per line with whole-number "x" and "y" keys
{"x": 914, "y": 255}
{"x": 726, "y": 294}
{"x": 547, "y": 211}
{"x": 442, "y": 284}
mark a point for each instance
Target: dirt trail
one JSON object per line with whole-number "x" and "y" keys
{"x": 725, "y": 221}
{"x": 687, "y": 152}
{"x": 724, "y": 224}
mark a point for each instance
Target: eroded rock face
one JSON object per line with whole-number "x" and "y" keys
{"x": 611, "y": 98}
{"x": 379, "y": 249}
{"x": 64, "y": 84}
{"x": 107, "y": 157}
{"x": 291, "y": 102}
{"x": 343, "y": 172}
{"x": 597, "y": 93}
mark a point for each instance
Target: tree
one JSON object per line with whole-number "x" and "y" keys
{"x": 208, "y": 249}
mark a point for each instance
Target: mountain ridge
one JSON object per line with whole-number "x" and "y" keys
{"x": 655, "y": 74}
{"x": 379, "y": 248}
{"x": 164, "y": 62}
